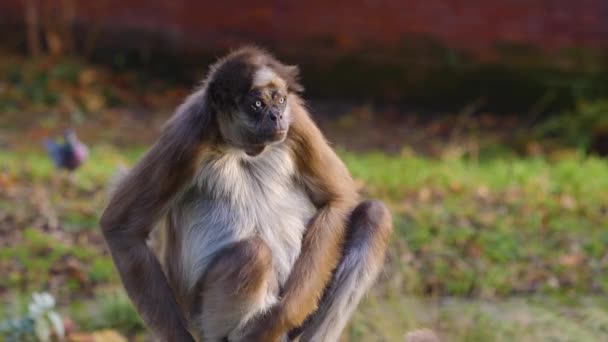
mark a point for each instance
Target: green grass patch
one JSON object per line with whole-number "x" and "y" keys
{"x": 110, "y": 310}
{"x": 578, "y": 175}
{"x": 38, "y": 261}
{"x": 486, "y": 228}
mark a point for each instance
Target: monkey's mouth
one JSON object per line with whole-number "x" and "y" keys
{"x": 275, "y": 136}
{"x": 280, "y": 134}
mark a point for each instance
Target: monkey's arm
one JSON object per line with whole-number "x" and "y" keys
{"x": 137, "y": 204}
{"x": 332, "y": 190}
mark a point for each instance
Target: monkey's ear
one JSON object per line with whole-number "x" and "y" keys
{"x": 291, "y": 75}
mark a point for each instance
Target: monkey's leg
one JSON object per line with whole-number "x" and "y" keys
{"x": 234, "y": 288}
{"x": 369, "y": 229}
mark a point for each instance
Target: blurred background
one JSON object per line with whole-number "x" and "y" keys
{"x": 482, "y": 124}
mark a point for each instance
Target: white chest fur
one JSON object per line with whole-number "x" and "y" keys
{"x": 235, "y": 197}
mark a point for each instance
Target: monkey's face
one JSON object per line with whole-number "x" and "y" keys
{"x": 266, "y": 114}
{"x": 262, "y": 116}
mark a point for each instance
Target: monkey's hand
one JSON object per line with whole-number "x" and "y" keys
{"x": 267, "y": 327}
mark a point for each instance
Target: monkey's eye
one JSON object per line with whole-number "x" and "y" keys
{"x": 258, "y": 103}
{"x": 282, "y": 100}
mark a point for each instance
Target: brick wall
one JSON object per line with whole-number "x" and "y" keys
{"x": 508, "y": 52}
{"x": 472, "y": 25}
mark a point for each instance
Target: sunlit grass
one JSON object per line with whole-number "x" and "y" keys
{"x": 578, "y": 175}
{"x": 36, "y": 166}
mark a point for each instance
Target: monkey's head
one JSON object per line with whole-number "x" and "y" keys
{"x": 249, "y": 92}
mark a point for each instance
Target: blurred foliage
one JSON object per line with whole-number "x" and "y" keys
{"x": 496, "y": 227}
{"x": 580, "y": 127}
{"x": 385, "y": 317}
{"x": 73, "y": 87}
{"x": 38, "y": 260}
{"x": 41, "y": 323}
{"x": 443, "y": 78}
{"x": 111, "y": 309}
{"x": 117, "y": 312}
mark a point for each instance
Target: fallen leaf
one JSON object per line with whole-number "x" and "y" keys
{"x": 421, "y": 335}
{"x": 98, "y": 336}
{"x": 534, "y": 148}
{"x": 87, "y": 77}
{"x": 571, "y": 260}
{"x": 424, "y": 195}
{"x": 567, "y": 202}
{"x": 482, "y": 192}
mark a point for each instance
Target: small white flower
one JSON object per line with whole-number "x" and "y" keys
{"x": 42, "y": 330}
{"x": 57, "y": 324}
{"x": 41, "y": 311}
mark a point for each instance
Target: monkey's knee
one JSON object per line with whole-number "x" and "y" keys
{"x": 369, "y": 229}
{"x": 243, "y": 268}
{"x": 371, "y": 221}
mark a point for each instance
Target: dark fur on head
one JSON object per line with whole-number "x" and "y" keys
{"x": 233, "y": 75}
{"x": 249, "y": 115}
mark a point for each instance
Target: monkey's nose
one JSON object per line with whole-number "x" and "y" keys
{"x": 275, "y": 115}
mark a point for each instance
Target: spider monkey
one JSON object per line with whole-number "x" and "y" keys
{"x": 259, "y": 232}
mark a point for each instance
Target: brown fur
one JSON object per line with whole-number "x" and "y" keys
{"x": 137, "y": 204}
{"x": 369, "y": 223}
{"x": 374, "y": 216}
{"x": 147, "y": 192}
{"x": 237, "y": 279}
{"x": 332, "y": 190}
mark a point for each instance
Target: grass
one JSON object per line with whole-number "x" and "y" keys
{"x": 111, "y": 310}
{"x": 577, "y": 174}
{"x": 510, "y": 319}
{"x": 483, "y": 249}
{"x": 495, "y": 227}
{"x": 31, "y": 263}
